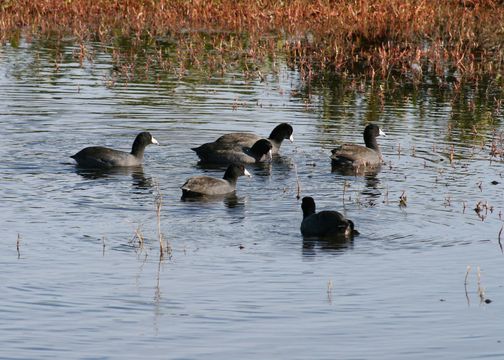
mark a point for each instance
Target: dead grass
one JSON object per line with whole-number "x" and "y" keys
{"x": 453, "y": 40}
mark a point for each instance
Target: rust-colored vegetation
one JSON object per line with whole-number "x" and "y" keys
{"x": 396, "y": 40}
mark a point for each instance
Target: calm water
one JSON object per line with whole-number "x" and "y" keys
{"x": 240, "y": 283}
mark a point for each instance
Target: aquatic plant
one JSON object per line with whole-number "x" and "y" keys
{"x": 445, "y": 42}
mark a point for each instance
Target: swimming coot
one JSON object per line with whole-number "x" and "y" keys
{"x": 358, "y": 156}
{"x": 102, "y": 157}
{"x": 324, "y": 223}
{"x": 235, "y": 154}
{"x": 241, "y": 139}
{"x": 207, "y": 185}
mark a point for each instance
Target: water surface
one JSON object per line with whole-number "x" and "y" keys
{"x": 240, "y": 280}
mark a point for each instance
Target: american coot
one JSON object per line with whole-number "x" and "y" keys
{"x": 358, "y": 156}
{"x": 325, "y": 223}
{"x": 235, "y": 154}
{"x": 206, "y": 185}
{"x": 102, "y": 157}
{"x": 279, "y": 133}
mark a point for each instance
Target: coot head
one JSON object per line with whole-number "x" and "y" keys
{"x": 234, "y": 171}
{"x": 281, "y": 132}
{"x": 371, "y": 132}
{"x": 308, "y": 206}
{"x": 261, "y": 148}
{"x": 141, "y": 141}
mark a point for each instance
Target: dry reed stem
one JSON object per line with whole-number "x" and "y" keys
{"x": 138, "y": 237}
{"x": 346, "y": 185}
{"x": 330, "y": 288}
{"x": 468, "y": 270}
{"x": 386, "y": 196}
{"x": 403, "y": 200}
{"x": 158, "y": 204}
{"x": 451, "y": 40}
{"x": 481, "y": 290}
{"x": 157, "y": 292}
{"x": 298, "y": 183}
{"x": 18, "y": 243}
{"x": 499, "y": 238}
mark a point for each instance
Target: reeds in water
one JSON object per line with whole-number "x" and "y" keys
{"x": 394, "y": 40}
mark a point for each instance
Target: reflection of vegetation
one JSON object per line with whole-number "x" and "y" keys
{"x": 475, "y": 110}
{"x": 411, "y": 55}
{"x": 395, "y": 40}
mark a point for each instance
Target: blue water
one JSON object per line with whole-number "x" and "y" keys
{"x": 239, "y": 281}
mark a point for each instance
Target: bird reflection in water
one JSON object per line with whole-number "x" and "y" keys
{"x": 371, "y": 189}
{"x": 231, "y": 200}
{"x": 372, "y": 182}
{"x": 260, "y": 169}
{"x": 356, "y": 171}
{"x": 139, "y": 180}
{"x": 335, "y": 245}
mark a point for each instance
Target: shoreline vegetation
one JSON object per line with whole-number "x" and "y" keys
{"x": 448, "y": 43}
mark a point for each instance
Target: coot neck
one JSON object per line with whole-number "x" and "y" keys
{"x": 307, "y": 211}
{"x": 276, "y": 137}
{"x": 371, "y": 143}
{"x": 230, "y": 176}
{"x": 252, "y": 152}
{"x": 276, "y": 143}
{"x": 257, "y": 152}
{"x": 138, "y": 150}
{"x": 138, "y": 147}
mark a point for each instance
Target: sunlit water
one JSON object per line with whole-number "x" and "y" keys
{"x": 240, "y": 281}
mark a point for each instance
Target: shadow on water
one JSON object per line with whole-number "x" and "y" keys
{"x": 139, "y": 180}
{"x": 258, "y": 169}
{"x": 335, "y": 245}
{"x": 210, "y": 166}
{"x": 281, "y": 162}
{"x": 351, "y": 171}
{"x": 371, "y": 182}
{"x": 372, "y": 189}
{"x": 231, "y": 200}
